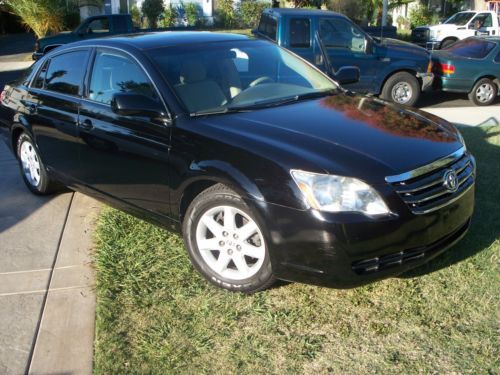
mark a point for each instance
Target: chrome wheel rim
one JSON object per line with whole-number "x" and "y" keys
{"x": 485, "y": 92}
{"x": 230, "y": 242}
{"x": 402, "y": 92}
{"x": 30, "y": 163}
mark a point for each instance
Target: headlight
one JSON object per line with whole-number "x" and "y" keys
{"x": 338, "y": 194}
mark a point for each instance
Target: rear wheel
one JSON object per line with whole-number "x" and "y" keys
{"x": 484, "y": 92}
{"x": 32, "y": 168}
{"x": 226, "y": 243}
{"x": 401, "y": 88}
{"x": 447, "y": 42}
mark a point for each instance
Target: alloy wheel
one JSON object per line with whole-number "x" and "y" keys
{"x": 485, "y": 92}
{"x": 30, "y": 163}
{"x": 230, "y": 242}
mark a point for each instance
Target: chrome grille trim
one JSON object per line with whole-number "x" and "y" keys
{"x": 424, "y": 190}
{"x": 427, "y": 168}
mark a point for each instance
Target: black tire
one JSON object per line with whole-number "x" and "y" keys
{"x": 44, "y": 185}
{"x": 447, "y": 42}
{"x": 211, "y": 200}
{"x": 484, "y": 92}
{"x": 401, "y": 88}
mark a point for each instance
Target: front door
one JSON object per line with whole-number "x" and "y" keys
{"x": 346, "y": 46}
{"x": 124, "y": 157}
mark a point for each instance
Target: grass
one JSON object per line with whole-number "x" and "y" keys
{"x": 155, "y": 314}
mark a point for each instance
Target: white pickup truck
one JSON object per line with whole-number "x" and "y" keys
{"x": 459, "y": 26}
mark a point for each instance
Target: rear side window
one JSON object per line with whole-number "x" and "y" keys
{"x": 268, "y": 26}
{"x": 65, "y": 73}
{"x": 100, "y": 25}
{"x": 300, "y": 33}
{"x": 471, "y": 48}
{"x": 115, "y": 73}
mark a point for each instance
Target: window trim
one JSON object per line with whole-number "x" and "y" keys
{"x": 48, "y": 62}
{"x": 290, "y": 31}
{"x": 90, "y": 68}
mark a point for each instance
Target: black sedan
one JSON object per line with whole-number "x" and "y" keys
{"x": 264, "y": 164}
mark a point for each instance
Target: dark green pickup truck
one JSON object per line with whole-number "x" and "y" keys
{"x": 92, "y": 27}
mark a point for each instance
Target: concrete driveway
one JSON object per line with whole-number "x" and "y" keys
{"x": 47, "y": 300}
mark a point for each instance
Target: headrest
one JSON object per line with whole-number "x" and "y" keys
{"x": 192, "y": 71}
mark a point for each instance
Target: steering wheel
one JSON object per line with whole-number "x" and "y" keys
{"x": 260, "y": 80}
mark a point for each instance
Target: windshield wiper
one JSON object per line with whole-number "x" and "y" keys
{"x": 289, "y": 99}
{"x": 218, "y": 111}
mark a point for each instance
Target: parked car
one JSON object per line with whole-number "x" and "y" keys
{"x": 92, "y": 28}
{"x": 470, "y": 66}
{"x": 395, "y": 70}
{"x": 265, "y": 165}
{"x": 459, "y": 26}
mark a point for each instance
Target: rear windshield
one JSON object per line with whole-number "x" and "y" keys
{"x": 268, "y": 26}
{"x": 471, "y": 48}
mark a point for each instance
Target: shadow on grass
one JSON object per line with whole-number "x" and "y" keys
{"x": 485, "y": 226}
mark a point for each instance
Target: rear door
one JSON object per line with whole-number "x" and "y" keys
{"x": 124, "y": 157}
{"x": 55, "y": 97}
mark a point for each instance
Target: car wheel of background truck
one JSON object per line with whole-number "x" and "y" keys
{"x": 447, "y": 42}
{"x": 401, "y": 88}
{"x": 484, "y": 92}
{"x": 226, "y": 242}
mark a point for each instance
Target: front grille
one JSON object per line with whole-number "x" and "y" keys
{"x": 420, "y": 35}
{"x": 425, "y": 191}
{"x": 373, "y": 265}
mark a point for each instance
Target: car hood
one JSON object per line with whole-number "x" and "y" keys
{"x": 61, "y": 38}
{"x": 395, "y": 46}
{"x": 370, "y": 132}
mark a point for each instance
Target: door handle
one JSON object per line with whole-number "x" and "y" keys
{"x": 85, "y": 124}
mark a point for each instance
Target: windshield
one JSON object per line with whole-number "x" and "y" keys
{"x": 460, "y": 19}
{"x": 225, "y": 76}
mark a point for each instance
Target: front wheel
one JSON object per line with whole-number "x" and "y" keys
{"x": 484, "y": 92}
{"x": 401, "y": 88}
{"x": 226, "y": 243}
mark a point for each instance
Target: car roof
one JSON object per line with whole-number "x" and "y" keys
{"x": 143, "y": 41}
{"x": 302, "y": 12}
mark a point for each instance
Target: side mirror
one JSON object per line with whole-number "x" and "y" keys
{"x": 125, "y": 104}
{"x": 346, "y": 75}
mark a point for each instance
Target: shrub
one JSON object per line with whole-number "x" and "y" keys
{"x": 225, "y": 14}
{"x": 152, "y": 10}
{"x": 250, "y": 11}
{"x": 192, "y": 11}
{"x": 420, "y": 16}
{"x": 170, "y": 15}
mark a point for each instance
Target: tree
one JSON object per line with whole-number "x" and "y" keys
{"x": 41, "y": 16}
{"x": 152, "y": 10}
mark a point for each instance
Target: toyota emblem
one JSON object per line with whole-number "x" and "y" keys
{"x": 450, "y": 180}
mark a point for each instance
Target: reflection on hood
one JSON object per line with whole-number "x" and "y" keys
{"x": 388, "y": 118}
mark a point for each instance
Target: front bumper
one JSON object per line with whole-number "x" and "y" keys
{"x": 347, "y": 250}
{"x": 427, "y": 80}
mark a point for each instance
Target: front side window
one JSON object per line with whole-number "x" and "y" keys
{"x": 231, "y": 75}
{"x": 99, "y": 26}
{"x": 471, "y": 48}
{"x": 114, "y": 73}
{"x": 340, "y": 33}
{"x": 300, "y": 33}
{"x": 65, "y": 73}
{"x": 482, "y": 20}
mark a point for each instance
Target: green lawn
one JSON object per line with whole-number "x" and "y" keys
{"x": 155, "y": 314}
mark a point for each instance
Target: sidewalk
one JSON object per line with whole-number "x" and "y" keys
{"x": 470, "y": 116}
{"x": 47, "y": 301}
